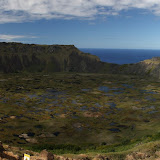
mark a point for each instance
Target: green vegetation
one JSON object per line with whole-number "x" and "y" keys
{"x": 48, "y": 101}
{"x": 149, "y": 67}
{"x": 79, "y": 113}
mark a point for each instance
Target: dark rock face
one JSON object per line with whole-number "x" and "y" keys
{"x": 16, "y": 57}
{"x": 83, "y": 63}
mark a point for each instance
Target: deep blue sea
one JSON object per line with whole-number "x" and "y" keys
{"x": 122, "y": 56}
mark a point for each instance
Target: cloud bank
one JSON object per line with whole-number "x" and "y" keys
{"x": 29, "y": 10}
{"x": 6, "y": 37}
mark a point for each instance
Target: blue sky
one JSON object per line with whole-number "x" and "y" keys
{"x": 133, "y": 24}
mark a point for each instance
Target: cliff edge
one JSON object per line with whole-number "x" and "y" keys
{"x": 16, "y": 57}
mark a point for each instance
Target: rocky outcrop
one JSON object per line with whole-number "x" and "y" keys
{"x": 8, "y": 153}
{"x": 149, "y": 67}
{"x": 100, "y": 157}
{"x": 44, "y": 155}
{"x": 137, "y": 155}
{"x": 28, "y": 138}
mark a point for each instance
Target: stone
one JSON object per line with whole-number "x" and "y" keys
{"x": 10, "y": 155}
{"x": 99, "y": 157}
{"x": 46, "y": 155}
{"x": 12, "y": 117}
{"x": 31, "y": 140}
{"x": 83, "y": 157}
{"x": 157, "y": 153}
{"x": 57, "y": 157}
{"x": 42, "y": 136}
{"x": 129, "y": 157}
{"x": 24, "y": 136}
{"x": 136, "y": 155}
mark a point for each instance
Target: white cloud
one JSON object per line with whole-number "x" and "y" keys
{"x": 28, "y": 10}
{"x": 6, "y": 37}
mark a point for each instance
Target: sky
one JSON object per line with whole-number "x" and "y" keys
{"x": 121, "y": 24}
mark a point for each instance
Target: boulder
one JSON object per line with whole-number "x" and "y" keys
{"x": 100, "y": 157}
{"x": 157, "y": 153}
{"x": 32, "y": 140}
{"x": 137, "y": 155}
{"x": 12, "y": 117}
{"x": 10, "y": 155}
{"x": 24, "y": 135}
{"x": 83, "y": 157}
{"x": 57, "y": 157}
{"x": 46, "y": 155}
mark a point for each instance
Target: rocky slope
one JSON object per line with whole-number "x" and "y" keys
{"x": 15, "y": 153}
{"x": 16, "y": 57}
{"x": 149, "y": 67}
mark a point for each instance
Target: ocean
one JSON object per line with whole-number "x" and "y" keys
{"x": 122, "y": 56}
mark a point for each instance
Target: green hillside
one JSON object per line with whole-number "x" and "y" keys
{"x": 149, "y": 67}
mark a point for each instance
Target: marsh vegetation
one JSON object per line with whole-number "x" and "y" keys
{"x": 78, "y": 113}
